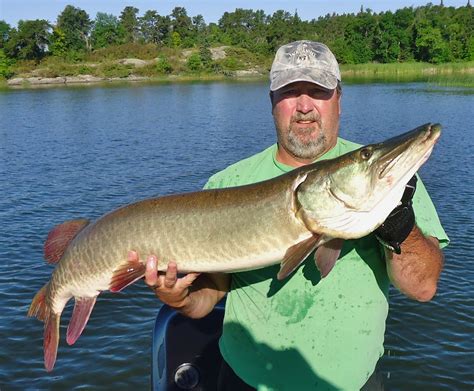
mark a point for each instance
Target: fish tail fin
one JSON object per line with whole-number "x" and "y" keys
{"x": 42, "y": 310}
{"x": 82, "y": 309}
{"x": 51, "y": 340}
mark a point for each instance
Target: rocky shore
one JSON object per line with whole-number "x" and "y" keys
{"x": 81, "y": 79}
{"x": 90, "y": 79}
{"x": 35, "y": 79}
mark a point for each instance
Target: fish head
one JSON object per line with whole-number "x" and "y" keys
{"x": 350, "y": 196}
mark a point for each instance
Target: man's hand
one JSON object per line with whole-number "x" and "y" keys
{"x": 413, "y": 267}
{"x": 170, "y": 289}
{"x": 400, "y": 222}
{"x": 194, "y": 294}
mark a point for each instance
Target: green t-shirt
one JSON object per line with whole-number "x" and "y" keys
{"x": 304, "y": 333}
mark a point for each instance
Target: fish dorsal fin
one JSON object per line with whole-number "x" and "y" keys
{"x": 59, "y": 238}
{"x": 126, "y": 274}
{"x": 295, "y": 255}
{"x": 82, "y": 310}
{"x": 327, "y": 254}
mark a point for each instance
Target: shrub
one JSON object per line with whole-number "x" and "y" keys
{"x": 5, "y": 66}
{"x": 113, "y": 70}
{"x": 163, "y": 66}
{"x": 194, "y": 62}
{"x": 128, "y": 50}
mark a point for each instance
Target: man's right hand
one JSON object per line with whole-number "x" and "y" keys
{"x": 194, "y": 294}
{"x": 170, "y": 289}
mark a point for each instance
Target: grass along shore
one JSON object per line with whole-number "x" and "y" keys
{"x": 450, "y": 74}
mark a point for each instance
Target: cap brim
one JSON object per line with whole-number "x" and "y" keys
{"x": 317, "y": 76}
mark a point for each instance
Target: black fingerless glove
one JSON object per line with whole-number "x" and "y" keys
{"x": 399, "y": 223}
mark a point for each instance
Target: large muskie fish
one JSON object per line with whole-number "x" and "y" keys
{"x": 228, "y": 230}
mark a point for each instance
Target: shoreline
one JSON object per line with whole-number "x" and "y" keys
{"x": 36, "y": 81}
{"x": 437, "y": 74}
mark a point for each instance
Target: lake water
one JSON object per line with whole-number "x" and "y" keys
{"x": 79, "y": 152}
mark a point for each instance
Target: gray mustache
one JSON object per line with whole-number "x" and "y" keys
{"x": 305, "y": 117}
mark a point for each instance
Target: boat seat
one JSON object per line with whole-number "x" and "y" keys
{"x": 185, "y": 352}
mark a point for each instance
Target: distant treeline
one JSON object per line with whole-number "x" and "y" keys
{"x": 431, "y": 33}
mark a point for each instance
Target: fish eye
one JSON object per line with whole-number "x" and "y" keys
{"x": 365, "y": 153}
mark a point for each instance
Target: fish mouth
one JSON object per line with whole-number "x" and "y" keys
{"x": 421, "y": 139}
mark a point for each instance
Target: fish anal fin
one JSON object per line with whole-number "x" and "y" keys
{"x": 82, "y": 310}
{"x": 51, "y": 340}
{"x": 295, "y": 255}
{"x": 327, "y": 254}
{"x": 126, "y": 274}
{"x": 59, "y": 238}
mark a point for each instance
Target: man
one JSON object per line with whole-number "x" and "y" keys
{"x": 304, "y": 332}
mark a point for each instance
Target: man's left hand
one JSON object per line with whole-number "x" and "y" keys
{"x": 399, "y": 223}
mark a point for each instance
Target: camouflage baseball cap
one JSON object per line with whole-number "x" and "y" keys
{"x": 304, "y": 61}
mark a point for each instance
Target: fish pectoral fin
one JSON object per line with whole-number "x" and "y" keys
{"x": 82, "y": 310}
{"x": 295, "y": 255}
{"x": 126, "y": 274}
{"x": 59, "y": 238}
{"x": 327, "y": 254}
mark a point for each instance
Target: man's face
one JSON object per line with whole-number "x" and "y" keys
{"x": 306, "y": 119}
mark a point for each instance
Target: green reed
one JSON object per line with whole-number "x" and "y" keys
{"x": 449, "y": 74}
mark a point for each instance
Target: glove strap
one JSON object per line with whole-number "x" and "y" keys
{"x": 393, "y": 247}
{"x": 396, "y": 227}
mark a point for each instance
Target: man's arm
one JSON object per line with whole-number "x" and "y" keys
{"x": 193, "y": 295}
{"x": 416, "y": 270}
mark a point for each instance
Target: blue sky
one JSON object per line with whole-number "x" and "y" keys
{"x": 13, "y": 10}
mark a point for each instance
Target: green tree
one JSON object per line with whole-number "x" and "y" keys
{"x": 76, "y": 25}
{"x": 198, "y": 23}
{"x": 404, "y": 22}
{"x": 430, "y": 46}
{"x": 205, "y": 56}
{"x": 175, "y": 39}
{"x": 464, "y": 18}
{"x": 330, "y": 30}
{"x": 182, "y": 24}
{"x": 5, "y": 29}
{"x": 129, "y": 22}
{"x": 359, "y": 36}
{"x": 454, "y": 38}
{"x": 386, "y": 44}
{"x": 107, "y": 31}
{"x": 470, "y": 49}
{"x": 154, "y": 27}
{"x": 200, "y": 31}
{"x": 215, "y": 35}
{"x": 30, "y": 41}
{"x": 283, "y": 27}
{"x": 58, "y": 45}
{"x": 243, "y": 27}
{"x": 5, "y": 65}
